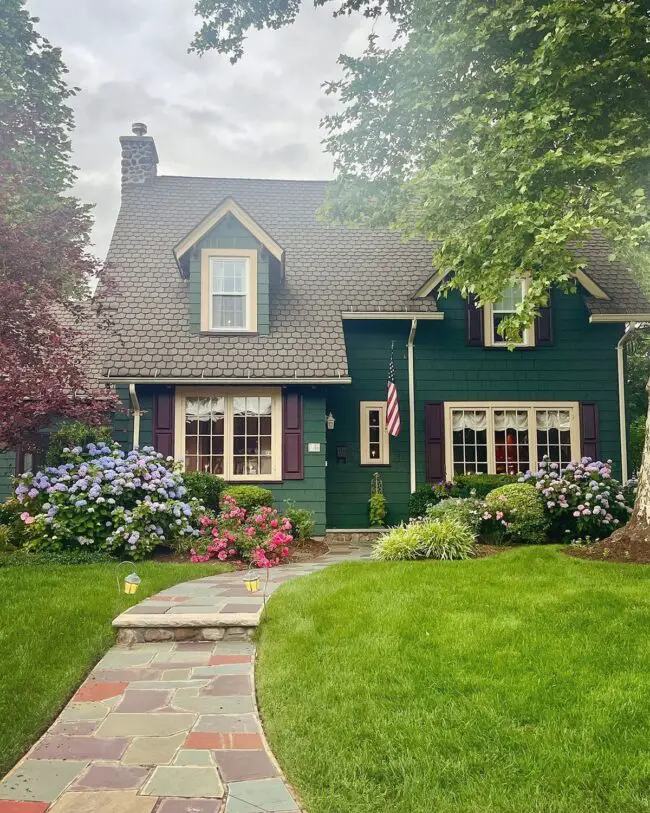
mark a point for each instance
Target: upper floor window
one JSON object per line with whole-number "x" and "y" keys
{"x": 229, "y": 290}
{"x": 496, "y": 312}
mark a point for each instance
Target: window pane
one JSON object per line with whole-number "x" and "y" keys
{"x": 204, "y": 423}
{"x": 228, "y": 311}
{"x": 469, "y": 436}
{"x": 554, "y": 435}
{"x": 252, "y": 443}
{"x": 229, "y": 276}
{"x": 510, "y": 298}
{"x": 511, "y": 449}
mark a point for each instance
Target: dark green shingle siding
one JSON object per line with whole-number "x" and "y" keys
{"x": 7, "y": 471}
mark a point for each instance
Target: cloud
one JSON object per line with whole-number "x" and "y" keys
{"x": 259, "y": 118}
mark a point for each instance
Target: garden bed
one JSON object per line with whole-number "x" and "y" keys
{"x": 625, "y": 550}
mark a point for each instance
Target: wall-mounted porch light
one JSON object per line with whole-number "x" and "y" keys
{"x": 330, "y": 421}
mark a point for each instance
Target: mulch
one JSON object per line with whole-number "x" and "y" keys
{"x": 303, "y": 552}
{"x": 481, "y": 550}
{"x": 623, "y": 549}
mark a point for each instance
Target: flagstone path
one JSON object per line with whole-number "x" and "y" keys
{"x": 168, "y": 726}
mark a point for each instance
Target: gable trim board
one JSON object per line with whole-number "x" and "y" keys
{"x": 584, "y": 279}
{"x": 619, "y": 317}
{"x": 225, "y": 381}
{"x": 228, "y": 206}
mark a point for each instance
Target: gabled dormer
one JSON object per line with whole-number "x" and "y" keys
{"x": 228, "y": 260}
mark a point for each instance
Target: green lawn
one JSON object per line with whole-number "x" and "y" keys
{"x": 55, "y": 624}
{"x": 514, "y": 684}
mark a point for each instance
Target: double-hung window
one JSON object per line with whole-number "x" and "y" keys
{"x": 229, "y": 290}
{"x": 236, "y": 434}
{"x": 375, "y": 447}
{"x": 509, "y": 438}
{"x": 496, "y": 312}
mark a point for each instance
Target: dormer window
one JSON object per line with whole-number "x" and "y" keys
{"x": 229, "y": 290}
{"x": 496, "y": 312}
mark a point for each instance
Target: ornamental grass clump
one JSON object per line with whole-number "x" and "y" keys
{"x": 442, "y": 538}
{"x": 103, "y": 498}
{"x": 260, "y": 536}
{"x": 583, "y": 501}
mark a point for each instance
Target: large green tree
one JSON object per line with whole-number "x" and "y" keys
{"x": 507, "y": 130}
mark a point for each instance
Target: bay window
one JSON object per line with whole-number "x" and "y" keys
{"x": 508, "y": 438}
{"x": 236, "y": 434}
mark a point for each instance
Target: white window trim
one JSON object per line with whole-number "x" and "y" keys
{"x": 384, "y": 439}
{"x": 488, "y": 330}
{"x": 250, "y": 255}
{"x": 182, "y": 394}
{"x": 530, "y": 407}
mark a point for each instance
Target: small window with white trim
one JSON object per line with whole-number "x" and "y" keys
{"x": 496, "y": 312}
{"x": 229, "y": 290}
{"x": 374, "y": 434}
{"x": 509, "y": 438}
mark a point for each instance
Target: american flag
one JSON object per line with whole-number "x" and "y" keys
{"x": 393, "y": 423}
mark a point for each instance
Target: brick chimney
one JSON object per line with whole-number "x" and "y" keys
{"x": 139, "y": 156}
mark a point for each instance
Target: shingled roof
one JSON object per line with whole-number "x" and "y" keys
{"x": 328, "y": 272}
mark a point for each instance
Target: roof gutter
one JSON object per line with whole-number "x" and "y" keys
{"x": 250, "y": 381}
{"x": 411, "y": 374}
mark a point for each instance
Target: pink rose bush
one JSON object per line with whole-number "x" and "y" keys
{"x": 260, "y": 537}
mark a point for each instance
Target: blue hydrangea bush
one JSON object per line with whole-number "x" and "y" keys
{"x": 105, "y": 499}
{"x": 583, "y": 501}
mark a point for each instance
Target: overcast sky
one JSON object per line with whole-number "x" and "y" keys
{"x": 258, "y": 118}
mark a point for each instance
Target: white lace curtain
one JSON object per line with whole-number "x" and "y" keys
{"x": 476, "y": 419}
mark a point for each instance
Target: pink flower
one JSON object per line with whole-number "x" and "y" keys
{"x": 499, "y": 514}
{"x": 576, "y": 513}
{"x": 274, "y": 523}
{"x": 250, "y": 531}
{"x": 29, "y": 520}
{"x": 222, "y": 555}
{"x": 24, "y": 515}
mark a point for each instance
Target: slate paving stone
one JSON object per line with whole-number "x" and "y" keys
{"x": 22, "y": 807}
{"x": 241, "y": 608}
{"x": 194, "y": 609}
{"x": 126, "y": 675}
{"x": 170, "y": 685}
{"x": 214, "y": 705}
{"x": 123, "y": 658}
{"x": 40, "y": 780}
{"x": 103, "y": 802}
{"x": 193, "y": 757}
{"x": 185, "y": 781}
{"x": 153, "y": 750}
{"x": 112, "y": 777}
{"x": 194, "y": 646}
{"x": 223, "y": 669}
{"x": 149, "y": 609}
{"x": 141, "y": 701}
{"x": 86, "y": 711}
{"x": 176, "y": 674}
{"x": 228, "y": 685}
{"x": 189, "y": 806}
{"x": 80, "y": 729}
{"x": 174, "y": 660}
{"x": 95, "y": 691}
{"x": 236, "y": 766}
{"x": 228, "y": 723}
{"x": 234, "y": 648}
{"x": 221, "y": 659}
{"x": 266, "y": 796}
{"x": 222, "y": 741}
{"x": 58, "y": 746}
{"x": 145, "y": 725}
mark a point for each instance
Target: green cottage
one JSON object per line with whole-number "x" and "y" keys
{"x": 252, "y": 340}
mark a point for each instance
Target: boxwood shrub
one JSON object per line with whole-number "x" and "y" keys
{"x": 249, "y": 497}
{"x": 480, "y": 485}
{"x": 518, "y": 509}
{"x": 205, "y": 487}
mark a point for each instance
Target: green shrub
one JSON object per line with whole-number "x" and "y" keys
{"x": 302, "y": 521}
{"x": 480, "y": 485}
{"x": 377, "y": 510}
{"x": 522, "y": 508}
{"x": 20, "y": 558}
{"x": 75, "y": 434}
{"x": 249, "y": 497}
{"x": 12, "y": 528}
{"x": 427, "y": 495}
{"x": 205, "y": 487}
{"x": 466, "y": 510}
{"x": 443, "y": 538}
{"x": 637, "y": 440}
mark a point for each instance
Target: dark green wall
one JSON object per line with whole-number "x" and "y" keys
{"x": 229, "y": 233}
{"x": 7, "y": 471}
{"x": 306, "y": 493}
{"x": 580, "y": 366}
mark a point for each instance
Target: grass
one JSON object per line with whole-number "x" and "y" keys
{"x": 518, "y": 683}
{"x": 55, "y": 624}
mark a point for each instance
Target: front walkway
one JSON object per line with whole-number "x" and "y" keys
{"x": 166, "y": 727}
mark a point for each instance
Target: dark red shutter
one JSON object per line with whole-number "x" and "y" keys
{"x": 475, "y": 336}
{"x": 544, "y": 327}
{"x": 589, "y": 436}
{"x": 163, "y": 423}
{"x": 292, "y": 437}
{"x": 434, "y": 431}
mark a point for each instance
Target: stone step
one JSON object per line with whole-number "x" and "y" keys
{"x": 138, "y": 628}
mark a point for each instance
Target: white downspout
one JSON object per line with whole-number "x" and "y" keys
{"x": 135, "y": 404}
{"x": 409, "y": 346}
{"x": 620, "y": 363}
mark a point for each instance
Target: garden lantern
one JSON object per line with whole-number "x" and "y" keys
{"x": 252, "y": 582}
{"x": 131, "y": 583}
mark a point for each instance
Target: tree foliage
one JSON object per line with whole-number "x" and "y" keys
{"x": 507, "y": 130}
{"x": 44, "y": 265}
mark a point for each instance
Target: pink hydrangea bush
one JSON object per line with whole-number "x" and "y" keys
{"x": 261, "y": 537}
{"x": 583, "y": 500}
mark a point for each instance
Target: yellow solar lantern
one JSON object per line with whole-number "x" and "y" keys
{"x": 252, "y": 582}
{"x": 131, "y": 583}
